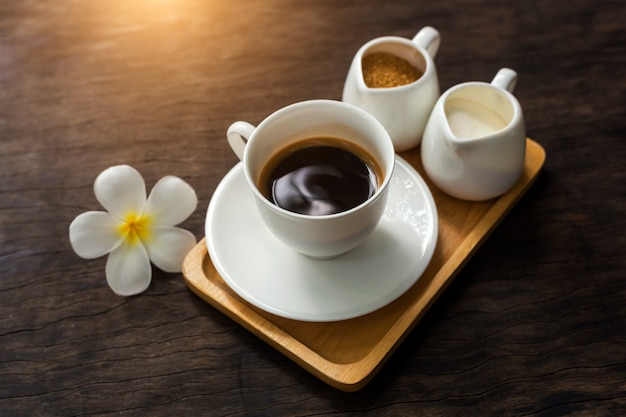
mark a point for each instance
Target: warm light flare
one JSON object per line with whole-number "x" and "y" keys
{"x": 148, "y": 11}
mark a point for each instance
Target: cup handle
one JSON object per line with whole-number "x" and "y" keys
{"x": 505, "y": 79}
{"x": 429, "y": 39}
{"x": 238, "y": 135}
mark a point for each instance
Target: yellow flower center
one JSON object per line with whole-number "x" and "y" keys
{"x": 136, "y": 228}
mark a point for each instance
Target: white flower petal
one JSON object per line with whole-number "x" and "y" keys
{"x": 95, "y": 233}
{"x": 121, "y": 190}
{"x": 128, "y": 269}
{"x": 168, "y": 247}
{"x": 171, "y": 201}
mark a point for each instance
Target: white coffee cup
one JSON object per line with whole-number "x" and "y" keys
{"x": 324, "y": 236}
{"x": 474, "y": 145}
{"x": 402, "y": 110}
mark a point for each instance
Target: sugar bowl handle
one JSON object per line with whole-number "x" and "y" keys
{"x": 428, "y": 38}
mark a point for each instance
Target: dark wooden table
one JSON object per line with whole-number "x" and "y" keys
{"x": 535, "y": 324}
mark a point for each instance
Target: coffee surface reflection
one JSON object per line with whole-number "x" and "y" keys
{"x": 319, "y": 177}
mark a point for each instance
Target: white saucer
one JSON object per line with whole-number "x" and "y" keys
{"x": 274, "y": 278}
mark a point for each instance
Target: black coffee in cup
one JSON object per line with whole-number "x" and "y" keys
{"x": 320, "y": 176}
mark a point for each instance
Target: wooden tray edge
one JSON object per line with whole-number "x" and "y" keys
{"x": 354, "y": 376}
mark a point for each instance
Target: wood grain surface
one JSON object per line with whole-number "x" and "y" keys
{"x": 534, "y": 325}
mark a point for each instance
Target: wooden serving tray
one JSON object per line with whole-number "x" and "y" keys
{"x": 347, "y": 354}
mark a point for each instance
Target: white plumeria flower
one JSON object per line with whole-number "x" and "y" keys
{"x": 134, "y": 230}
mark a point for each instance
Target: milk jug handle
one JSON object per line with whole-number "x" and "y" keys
{"x": 429, "y": 39}
{"x": 505, "y": 79}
